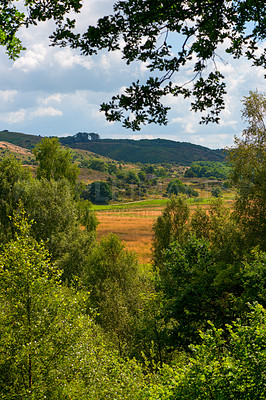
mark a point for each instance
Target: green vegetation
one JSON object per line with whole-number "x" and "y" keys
{"x": 98, "y": 165}
{"x": 99, "y": 192}
{"x": 20, "y": 139}
{"x": 249, "y": 169}
{"x": 133, "y": 204}
{"x": 150, "y": 151}
{"x": 216, "y": 192}
{"x": 208, "y": 169}
{"x": 81, "y": 318}
{"x": 54, "y": 161}
{"x": 176, "y": 187}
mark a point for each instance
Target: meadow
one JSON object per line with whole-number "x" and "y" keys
{"x": 133, "y": 221}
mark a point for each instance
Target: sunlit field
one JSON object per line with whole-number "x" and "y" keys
{"x": 134, "y": 228}
{"x": 133, "y": 222}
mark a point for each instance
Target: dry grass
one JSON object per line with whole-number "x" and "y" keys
{"x": 134, "y": 228}
{"x": 14, "y": 149}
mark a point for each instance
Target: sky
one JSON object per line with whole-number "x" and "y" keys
{"x": 56, "y": 91}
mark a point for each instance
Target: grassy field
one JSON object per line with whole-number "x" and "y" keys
{"x": 143, "y": 204}
{"x": 133, "y": 222}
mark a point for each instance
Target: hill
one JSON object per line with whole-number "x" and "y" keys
{"x": 20, "y": 139}
{"x": 148, "y": 150}
{"x": 153, "y": 151}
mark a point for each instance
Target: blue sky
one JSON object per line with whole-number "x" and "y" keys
{"x": 53, "y": 91}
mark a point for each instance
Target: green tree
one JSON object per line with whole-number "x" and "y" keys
{"x": 55, "y": 162}
{"x": 100, "y": 192}
{"x": 186, "y": 275}
{"x": 39, "y": 324}
{"x": 198, "y": 261}
{"x": 51, "y": 206}
{"x": 56, "y": 221}
{"x": 111, "y": 276}
{"x": 253, "y": 275}
{"x": 49, "y": 346}
{"x": 217, "y": 192}
{"x": 248, "y": 161}
{"x": 112, "y": 168}
{"x": 142, "y": 176}
{"x": 98, "y": 165}
{"x": 176, "y": 187}
{"x": 11, "y": 172}
{"x": 229, "y": 364}
{"x": 170, "y": 226}
{"x": 132, "y": 177}
{"x": 221, "y": 230}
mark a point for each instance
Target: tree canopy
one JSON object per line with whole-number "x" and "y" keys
{"x": 55, "y": 162}
{"x": 166, "y": 35}
{"x": 248, "y": 161}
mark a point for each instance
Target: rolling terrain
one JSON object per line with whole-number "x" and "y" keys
{"x": 153, "y": 151}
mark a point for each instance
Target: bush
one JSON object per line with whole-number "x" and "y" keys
{"x": 100, "y": 192}
{"x": 98, "y": 165}
{"x": 217, "y": 192}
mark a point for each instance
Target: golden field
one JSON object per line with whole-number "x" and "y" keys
{"x": 134, "y": 227}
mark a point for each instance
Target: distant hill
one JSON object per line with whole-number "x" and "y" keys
{"x": 149, "y": 150}
{"x": 153, "y": 151}
{"x": 20, "y": 139}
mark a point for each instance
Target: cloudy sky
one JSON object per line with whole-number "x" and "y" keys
{"x": 53, "y": 91}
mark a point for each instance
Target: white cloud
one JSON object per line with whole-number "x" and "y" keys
{"x": 189, "y": 122}
{"x": 67, "y": 59}
{"x": 231, "y": 123}
{"x": 7, "y": 96}
{"x": 54, "y": 98}
{"x": 13, "y": 117}
{"x": 139, "y": 137}
{"x": 34, "y": 58}
{"x": 211, "y": 141}
{"x": 45, "y": 112}
{"x": 105, "y": 62}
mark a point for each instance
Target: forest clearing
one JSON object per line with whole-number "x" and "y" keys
{"x": 133, "y": 223}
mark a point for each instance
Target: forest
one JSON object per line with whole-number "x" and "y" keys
{"x": 83, "y": 318}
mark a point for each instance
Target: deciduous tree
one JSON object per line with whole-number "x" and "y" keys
{"x": 248, "y": 160}
{"x": 11, "y": 172}
{"x": 55, "y": 162}
{"x": 166, "y": 35}
{"x": 111, "y": 275}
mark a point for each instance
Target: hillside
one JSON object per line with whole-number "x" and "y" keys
{"x": 143, "y": 151}
{"x": 149, "y": 150}
{"x": 20, "y": 139}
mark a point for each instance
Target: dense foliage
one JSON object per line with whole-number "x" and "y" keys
{"x": 208, "y": 169}
{"x": 151, "y": 150}
{"x": 176, "y": 187}
{"x": 99, "y": 192}
{"x": 55, "y": 162}
{"x": 248, "y": 159}
{"x": 82, "y": 319}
